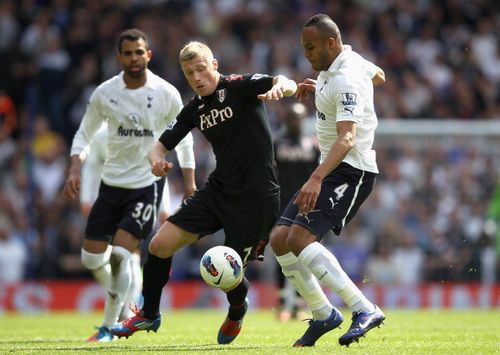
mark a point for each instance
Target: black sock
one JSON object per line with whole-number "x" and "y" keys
{"x": 281, "y": 285}
{"x": 236, "y": 298}
{"x": 155, "y": 276}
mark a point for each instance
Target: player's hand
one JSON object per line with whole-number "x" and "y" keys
{"x": 308, "y": 86}
{"x": 275, "y": 93}
{"x": 161, "y": 168}
{"x": 72, "y": 186}
{"x": 308, "y": 195}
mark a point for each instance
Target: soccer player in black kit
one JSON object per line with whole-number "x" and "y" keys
{"x": 297, "y": 155}
{"x": 241, "y": 195}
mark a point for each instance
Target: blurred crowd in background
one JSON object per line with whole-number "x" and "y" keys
{"x": 430, "y": 217}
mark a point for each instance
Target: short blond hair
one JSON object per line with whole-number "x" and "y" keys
{"x": 195, "y": 49}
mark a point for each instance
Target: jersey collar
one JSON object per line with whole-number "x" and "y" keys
{"x": 336, "y": 63}
{"x": 149, "y": 80}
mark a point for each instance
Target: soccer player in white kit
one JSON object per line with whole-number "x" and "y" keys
{"x": 137, "y": 105}
{"x": 89, "y": 188}
{"x": 329, "y": 199}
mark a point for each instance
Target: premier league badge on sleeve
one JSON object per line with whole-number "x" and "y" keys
{"x": 349, "y": 101}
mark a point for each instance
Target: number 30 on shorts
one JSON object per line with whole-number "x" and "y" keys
{"x": 142, "y": 212}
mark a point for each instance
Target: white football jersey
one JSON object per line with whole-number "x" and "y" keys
{"x": 92, "y": 168}
{"x": 345, "y": 93}
{"x": 136, "y": 118}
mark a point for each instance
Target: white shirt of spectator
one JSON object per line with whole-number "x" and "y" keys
{"x": 345, "y": 93}
{"x": 13, "y": 255}
{"x": 136, "y": 118}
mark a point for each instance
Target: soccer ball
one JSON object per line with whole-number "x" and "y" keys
{"x": 221, "y": 267}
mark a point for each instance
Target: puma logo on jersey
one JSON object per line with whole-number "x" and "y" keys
{"x": 349, "y": 109}
{"x": 214, "y": 117}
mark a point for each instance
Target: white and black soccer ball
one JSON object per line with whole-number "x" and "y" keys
{"x": 221, "y": 267}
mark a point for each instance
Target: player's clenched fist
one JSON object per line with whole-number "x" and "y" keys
{"x": 161, "y": 167}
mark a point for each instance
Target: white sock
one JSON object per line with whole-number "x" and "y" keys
{"x": 103, "y": 276}
{"x": 120, "y": 283}
{"x": 290, "y": 297}
{"x": 328, "y": 271}
{"x": 134, "y": 290}
{"x": 98, "y": 264}
{"x": 306, "y": 284}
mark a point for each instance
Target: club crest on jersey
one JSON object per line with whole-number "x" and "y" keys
{"x": 349, "y": 101}
{"x": 221, "y": 95}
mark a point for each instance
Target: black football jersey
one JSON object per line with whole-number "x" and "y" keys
{"x": 235, "y": 122}
{"x": 296, "y": 159}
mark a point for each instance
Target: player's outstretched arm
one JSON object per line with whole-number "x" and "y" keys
{"x": 156, "y": 156}
{"x": 282, "y": 87}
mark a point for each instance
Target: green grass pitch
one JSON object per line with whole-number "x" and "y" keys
{"x": 194, "y": 332}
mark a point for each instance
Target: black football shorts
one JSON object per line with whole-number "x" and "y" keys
{"x": 133, "y": 210}
{"x": 342, "y": 193}
{"x": 246, "y": 221}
